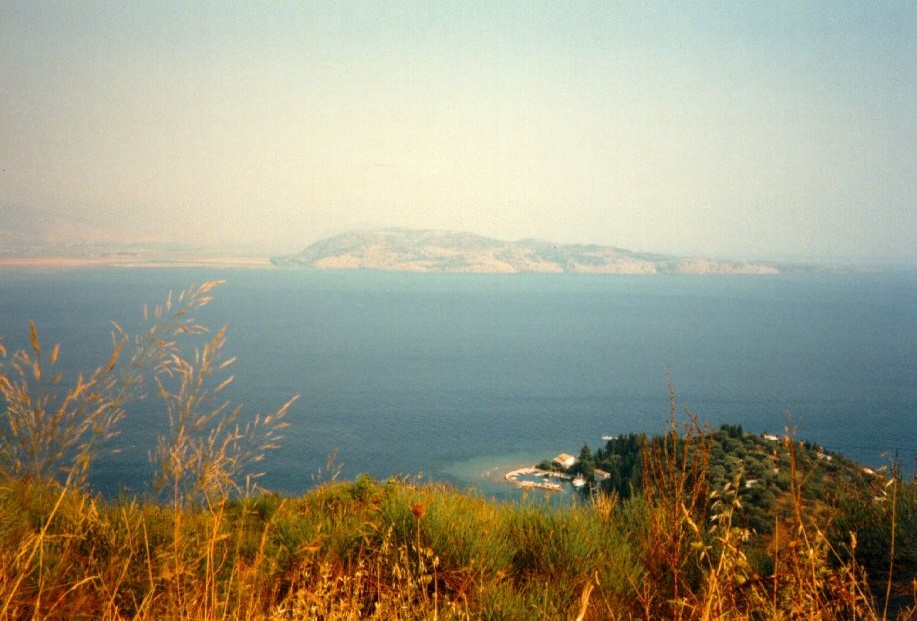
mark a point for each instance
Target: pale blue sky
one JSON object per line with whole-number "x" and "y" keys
{"x": 749, "y": 130}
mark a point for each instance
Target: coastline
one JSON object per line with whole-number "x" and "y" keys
{"x": 120, "y": 261}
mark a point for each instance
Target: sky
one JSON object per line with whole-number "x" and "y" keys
{"x": 755, "y": 130}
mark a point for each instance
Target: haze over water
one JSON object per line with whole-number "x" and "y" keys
{"x": 450, "y": 375}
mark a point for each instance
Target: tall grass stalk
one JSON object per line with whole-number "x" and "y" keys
{"x": 675, "y": 489}
{"x": 52, "y": 433}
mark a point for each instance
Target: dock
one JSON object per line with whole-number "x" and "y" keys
{"x": 531, "y": 471}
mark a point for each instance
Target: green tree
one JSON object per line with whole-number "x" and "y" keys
{"x": 585, "y": 466}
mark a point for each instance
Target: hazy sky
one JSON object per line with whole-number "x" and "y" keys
{"x": 735, "y": 129}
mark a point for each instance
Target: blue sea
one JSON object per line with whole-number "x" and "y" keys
{"x": 460, "y": 377}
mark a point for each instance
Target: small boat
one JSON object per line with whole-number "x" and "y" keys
{"x": 609, "y": 438}
{"x": 578, "y": 481}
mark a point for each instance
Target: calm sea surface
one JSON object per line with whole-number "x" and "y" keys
{"x": 459, "y": 377}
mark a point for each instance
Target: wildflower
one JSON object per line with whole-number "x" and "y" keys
{"x": 418, "y": 510}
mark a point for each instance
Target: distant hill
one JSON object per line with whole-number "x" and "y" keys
{"x": 34, "y": 231}
{"x": 450, "y": 251}
{"x": 27, "y": 234}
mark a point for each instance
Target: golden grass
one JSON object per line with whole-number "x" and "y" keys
{"x": 395, "y": 550}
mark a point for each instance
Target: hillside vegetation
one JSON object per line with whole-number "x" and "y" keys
{"x": 450, "y": 251}
{"x": 677, "y": 531}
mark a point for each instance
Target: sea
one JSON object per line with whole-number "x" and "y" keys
{"x": 459, "y": 378}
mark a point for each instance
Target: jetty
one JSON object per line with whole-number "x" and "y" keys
{"x": 545, "y": 477}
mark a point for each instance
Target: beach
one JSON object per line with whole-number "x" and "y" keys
{"x": 134, "y": 261}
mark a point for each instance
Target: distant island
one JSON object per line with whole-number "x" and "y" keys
{"x": 411, "y": 250}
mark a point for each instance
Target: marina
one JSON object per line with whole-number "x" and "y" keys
{"x": 535, "y": 478}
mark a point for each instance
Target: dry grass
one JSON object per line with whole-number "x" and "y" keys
{"x": 395, "y": 550}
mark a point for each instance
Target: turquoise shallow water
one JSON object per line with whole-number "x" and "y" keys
{"x": 455, "y": 375}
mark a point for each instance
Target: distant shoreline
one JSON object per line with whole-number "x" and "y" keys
{"x": 120, "y": 261}
{"x": 217, "y": 261}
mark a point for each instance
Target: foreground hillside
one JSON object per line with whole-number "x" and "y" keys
{"x": 399, "y": 549}
{"x": 448, "y": 251}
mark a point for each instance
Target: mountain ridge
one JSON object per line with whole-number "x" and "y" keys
{"x": 445, "y": 251}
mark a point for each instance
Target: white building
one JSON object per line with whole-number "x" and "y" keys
{"x": 564, "y": 460}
